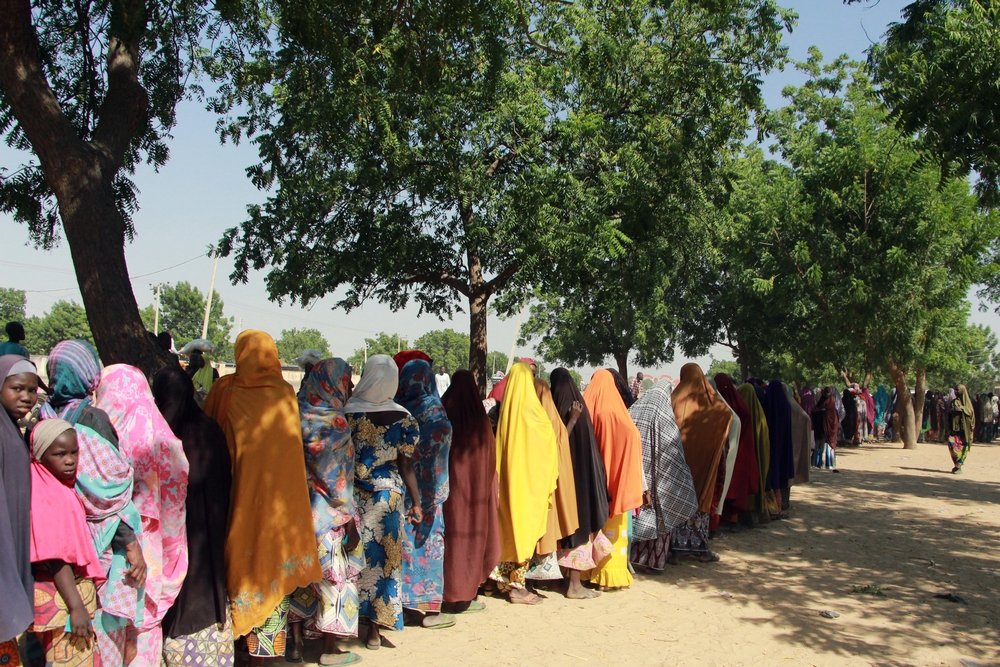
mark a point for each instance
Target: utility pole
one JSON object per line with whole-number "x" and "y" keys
{"x": 156, "y": 311}
{"x": 208, "y": 301}
{"x": 517, "y": 334}
{"x": 241, "y": 327}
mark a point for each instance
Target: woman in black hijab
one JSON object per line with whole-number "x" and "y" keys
{"x": 201, "y": 603}
{"x": 588, "y": 471}
{"x": 622, "y": 386}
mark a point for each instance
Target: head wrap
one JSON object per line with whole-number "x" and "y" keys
{"x": 406, "y": 356}
{"x": 704, "y": 420}
{"x": 21, "y": 366}
{"x": 45, "y": 433}
{"x": 376, "y": 388}
{"x": 74, "y": 370}
{"x": 623, "y": 389}
{"x": 430, "y": 459}
{"x": 619, "y": 442}
{"x": 564, "y": 517}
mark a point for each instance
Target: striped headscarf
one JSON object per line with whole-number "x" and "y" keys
{"x": 74, "y": 370}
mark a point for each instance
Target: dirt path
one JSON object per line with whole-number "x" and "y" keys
{"x": 896, "y": 521}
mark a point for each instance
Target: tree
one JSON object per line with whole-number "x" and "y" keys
{"x": 294, "y": 341}
{"x": 446, "y": 347}
{"x": 12, "y": 303}
{"x": 90, "y": 89}
{"x": 477, "y": 170}
{"x": 938, "y": 71}
{"x": 66, "y": 320}
{"x": 383, "y": 343}
{"x": 730, "y": 368}
{"x": 182, "y": 312}
{"x": 888, "y": 248}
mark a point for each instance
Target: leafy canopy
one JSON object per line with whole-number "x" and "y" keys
{"x": 293, "y": 342}
{"x": 182, "y": 312}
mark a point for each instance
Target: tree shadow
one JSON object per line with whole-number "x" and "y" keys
{"x": 864, "y": 529}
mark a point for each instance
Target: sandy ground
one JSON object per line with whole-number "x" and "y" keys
{"x": 892, "y": 519}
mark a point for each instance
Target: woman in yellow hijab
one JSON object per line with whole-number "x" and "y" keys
{"x": 528, "y": 466}
{"x": 271, "y": 547}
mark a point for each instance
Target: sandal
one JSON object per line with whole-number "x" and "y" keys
{"x": 710, "y": 557}
{"x": 348, "y": 658}
{"x": 474, "y": 607}
{"x": 530, "y": 599}
{"x": 441, "y": 621}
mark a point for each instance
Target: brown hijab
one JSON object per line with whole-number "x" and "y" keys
{"x": 563, "y": 515}
{"x": 703, "y": 419}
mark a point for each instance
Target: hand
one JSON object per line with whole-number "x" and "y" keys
{"x": 135, "y": 575}
{"x": 80, "y": 623}
{"x": 646, "y": 502}
{"x": 416, "y": 515}
{"x": 576, "y": 410}
{"x": 352, "y": 537}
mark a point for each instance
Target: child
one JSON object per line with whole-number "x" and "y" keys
{"x": 63, "y": 558}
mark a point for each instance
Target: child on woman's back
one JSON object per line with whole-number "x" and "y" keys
{"x": 63, "y": 557}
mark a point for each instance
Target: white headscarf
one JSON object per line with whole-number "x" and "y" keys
{"x": 377, "y": 387}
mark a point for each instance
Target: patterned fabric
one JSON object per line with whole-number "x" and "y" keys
{"x": 691, "y": 536}
{"x": 160, "y": 471}
{"x": 9, "y": 657}
{"x": 51, "y": 617}
{"x": 959, "y": 449}
{"x": 634, "y": 386}
{"x": 329, "y": 451}
{"x": 331, "y": 605}
{"x": 210, "y": 647}
{"x": 587, "y": 555}
{"x": 652, "y": 553}
{"x": 423, "y": 548}
{"x": 671, "y": 487}
{"x": 268, "y": 640}
{"x": 74, "y": 370}
{"x": 612, "y": 570}
{"x": 114, "y": 646}
{"x": 378, "y": 489}
{"x": 544, "y": 568}
{"x": 509, "y": 576}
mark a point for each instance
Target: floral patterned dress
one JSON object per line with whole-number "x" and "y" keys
{"x": 423, "y": 548}
{"x": 378, "y": 492}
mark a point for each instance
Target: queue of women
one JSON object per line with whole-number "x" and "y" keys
{"x": 138, "y": 528}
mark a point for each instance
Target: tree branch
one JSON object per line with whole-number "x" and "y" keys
{"x": 502, "y": 278}
{"x": 442, "y": 278}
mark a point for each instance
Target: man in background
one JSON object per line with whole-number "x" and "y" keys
{"x": 15, "y": 334}
{"x": 443, "y": 380}
{"x": 635, "y": 386}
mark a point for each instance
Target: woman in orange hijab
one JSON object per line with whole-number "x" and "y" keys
{"x": 703, "y": 419}
{"x": 271, "y": 547}
{"x": 621, "y": 448}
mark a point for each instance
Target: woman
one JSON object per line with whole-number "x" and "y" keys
{"x": 472, "y": 539}
{"x": 801, "y": 439}
{"x": 160, "y": 473}
{"x": 385, "y": 437}
{"x": 196, "y": 628}
{"x": 528, "y": 467}
{"x": 620, "y": 445}
{"x": 271, "y": 547}
{"x": 672, "y": 498}
{"x": 824, "y": 423}
{"x": 746, "y": 476}
{"x": 623, "y": 388}
{"x": 332, "y": 603}
{"x": 850, "y": 419}
{"x": 703, "y": 420}
{"x": 577, "y": 552}
{"x": 105, "y": 484}
{"x": 762, "y": 447}
{"x": 423, "y": 548}
{"x": 961, "y": 423}
{"x": 563, "y": 518}
{"x": 881, "y": 408}
{"x": 18, "y": 397}
{"x": 782, "y": 470}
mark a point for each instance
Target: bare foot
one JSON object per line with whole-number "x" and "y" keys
{"x": 578, "y": 592}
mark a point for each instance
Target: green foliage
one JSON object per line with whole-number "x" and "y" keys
{"x": 730, "y": 368}
{"x": 12, "y": 303}
{"x": 65, "y": 321}
{"x": 182, "y": 312}
{"x": 938, "y": 72}
{"x": 294, "y": 341}
{"x": 454, "y": 156}
{"x": 75, "y": 41}
{"x": 383, "y": 343}
{"x": 446, "y": 347}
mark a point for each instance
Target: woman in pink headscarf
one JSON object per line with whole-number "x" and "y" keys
{"x": 161, "y": 477}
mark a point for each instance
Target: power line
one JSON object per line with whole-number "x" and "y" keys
{"x": 188, "y": 261}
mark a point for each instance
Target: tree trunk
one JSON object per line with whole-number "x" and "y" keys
{"x": 478, "y": 300}
{"x": 96, "y": 234}
{"x": 81, "y": 173}
{"x": 741, "y": 353}
{"x": 904, "y": 406}
{"x": 918, "y": 400}
{"x": 621, "y": 360}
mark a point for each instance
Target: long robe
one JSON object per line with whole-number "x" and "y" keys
{"x": 779, "y": 425}
{"x": 472, "y": 538}
{"x": 563, "y": 518}
{"x": 527, "y": 465}
{"x": 271, "y": 548}
{"x": 762, "y": 444}
{"x": 588, "y": 466}
{"x": 704, "y": 420}
{"x": 801, "y": 432}
{"x": 16, "y": 582}
{"x": 746, "y": 476}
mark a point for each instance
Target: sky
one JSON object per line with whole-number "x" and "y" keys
{"x": 204, "y": 190}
